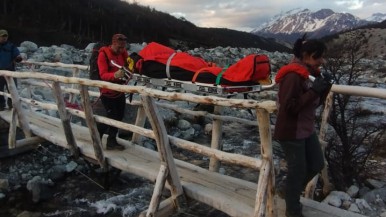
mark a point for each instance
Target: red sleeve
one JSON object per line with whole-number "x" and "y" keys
{"x": 106, "y": 71}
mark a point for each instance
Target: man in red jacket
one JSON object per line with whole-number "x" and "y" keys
{"x": 113, "y": 101}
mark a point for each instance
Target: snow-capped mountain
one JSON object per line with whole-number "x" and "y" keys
{"x": 291, "y": 25}
{"x": 377, "y": 17}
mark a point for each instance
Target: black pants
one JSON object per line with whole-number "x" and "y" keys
{"x": 305, "y": 160}
{"x": 3, "y": 85}
{"x": 115, "y": 109}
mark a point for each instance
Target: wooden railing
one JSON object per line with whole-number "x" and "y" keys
{"x": 148, "y": 108}
{"x": 264, "y": 204}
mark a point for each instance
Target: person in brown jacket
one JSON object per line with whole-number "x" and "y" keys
{"x": 297, "y": 100}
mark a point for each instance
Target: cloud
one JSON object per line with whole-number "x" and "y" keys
{"x": 351, "y": 4}
{"x": 248, "y": 14}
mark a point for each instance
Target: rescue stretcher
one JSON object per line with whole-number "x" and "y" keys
{"x": 194, "y": 87}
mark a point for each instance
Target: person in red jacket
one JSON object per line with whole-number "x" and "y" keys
{"x": 113, "y": 101}
{"x": 297, "y": 100}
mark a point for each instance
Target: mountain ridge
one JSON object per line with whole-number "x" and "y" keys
{"x": 290, "y": 25}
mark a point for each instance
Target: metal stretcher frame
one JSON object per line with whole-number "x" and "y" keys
{"x": 197, "y": 87}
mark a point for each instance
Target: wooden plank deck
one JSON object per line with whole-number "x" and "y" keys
{"x": 231, "y": 195}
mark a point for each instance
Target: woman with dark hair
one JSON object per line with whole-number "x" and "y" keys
{"x": 297, "y": 100}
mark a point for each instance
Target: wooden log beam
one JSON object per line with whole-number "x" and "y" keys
{"x": 75, "y": 73}
{"x": 140, "y": 122}
{"x": 157, "y": 193}
{"x": 327, "y": 186}
{"x": 214, "y": 164}
{"x": 66, "y": 119}
{"x": 23, "y": 121}
{"x": 266, "y": 152}
{"x": 12, "y": 130}
{"x": 56, "y": 64}
{"x": 359, "y": 91}
{"x": 230, "y": 158}
{"x": 261, "y": 194}
{"x": 29, "y": 141}
{"x": 5, "y": 152}
{"x": 206, "y": 114}
{"x": 166, "y": 208}
{"x": 96, "y": 140}
{"x": 163, "y": 146}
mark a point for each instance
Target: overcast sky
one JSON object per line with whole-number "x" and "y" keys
{"x": 245, "y": 15}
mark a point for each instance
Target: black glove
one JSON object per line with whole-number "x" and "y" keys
{"x": 327, "y": 76}
{"x": 321, "y": 85}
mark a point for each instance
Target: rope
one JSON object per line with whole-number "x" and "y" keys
{"x": 87, "y": 177}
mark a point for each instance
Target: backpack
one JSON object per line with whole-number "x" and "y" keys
{"x": 93, "y": 64}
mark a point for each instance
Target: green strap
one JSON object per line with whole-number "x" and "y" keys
{"x": 219, "y": 76}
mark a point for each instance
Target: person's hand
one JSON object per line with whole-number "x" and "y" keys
{"x": 18, "y": 59}
{"x": 321, "y": 85}
{"x": 327, "y": 76}
{"x": 119, "y": 74}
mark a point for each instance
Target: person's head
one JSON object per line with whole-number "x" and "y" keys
{"x": 3, "y": 35}
{"x": 118, "y": 43}
{"x": 310, "y": 52}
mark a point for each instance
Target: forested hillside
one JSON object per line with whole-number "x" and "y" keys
{"x": 83, "y": 21}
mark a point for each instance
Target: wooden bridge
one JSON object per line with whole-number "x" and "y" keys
{"x": 232, "y": 195}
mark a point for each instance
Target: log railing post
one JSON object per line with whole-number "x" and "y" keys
{"x": 157, "y": 193}
{"x": 12, "y": 130}
{"x": 16, "y": 104}
{"x": 75, "y": 73}
{"x": 266, "y": 185}
{"x": 91, "y": 123}
{"x": 140, "y": 122}
{"x": 66, "y": 120}
{"x": 164, "y": 150}
{"x": 214, "y": 164}
{"x": 327, "y": 186}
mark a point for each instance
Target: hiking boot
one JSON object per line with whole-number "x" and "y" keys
{"x": 112, "y": 144}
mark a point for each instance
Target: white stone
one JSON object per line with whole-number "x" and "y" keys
{"x": 352, "y": 191}
{"x": 354, "y": 208}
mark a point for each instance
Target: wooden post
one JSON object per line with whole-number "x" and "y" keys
{"x": 214, "y": 164}
{"x": 157, "y": 193}
{"x": 23, "y": 121}
{"x": 266, "y": 153}
{"x": 262, "y": 199}
{"x": 12, "y": 130}
{"x": 140, "y": 122}
{"x": 164, "y": 150}
{"x": 75, "y": 74}
{"x": 327, "y": 186}
{"x": 96, "y": 140}
{"x": 66, "y": 122}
